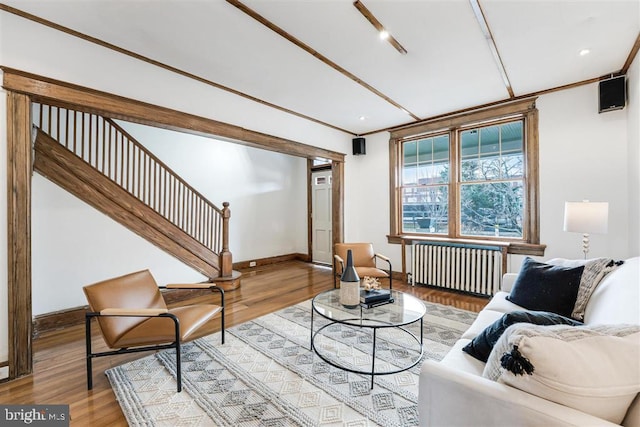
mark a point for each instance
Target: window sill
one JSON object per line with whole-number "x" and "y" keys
{"x": 516, "y": 248}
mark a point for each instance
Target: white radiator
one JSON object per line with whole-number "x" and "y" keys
{"x": 474, "y": 269}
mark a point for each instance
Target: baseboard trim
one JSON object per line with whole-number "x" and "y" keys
{"x": 58, "y": 320}
{"x": 246, "y": 265}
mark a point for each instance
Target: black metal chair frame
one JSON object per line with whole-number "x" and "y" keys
{"x": 175, "y": 344}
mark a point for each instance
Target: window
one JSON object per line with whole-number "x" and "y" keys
{"x": 492, "y": 180}
{"x": 425, "y": 185}
{"x": 468, "y": 176}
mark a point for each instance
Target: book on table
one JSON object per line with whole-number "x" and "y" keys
{"x": 375, "y": 295}
{"x": 376, "y": 303}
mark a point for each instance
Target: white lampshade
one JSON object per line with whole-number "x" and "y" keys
{"x": 586, "y": 217}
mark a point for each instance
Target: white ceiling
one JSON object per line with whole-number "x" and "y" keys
{"x": 449, "y": 65}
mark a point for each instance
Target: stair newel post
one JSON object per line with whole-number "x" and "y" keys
{"x": 226, "y": 260}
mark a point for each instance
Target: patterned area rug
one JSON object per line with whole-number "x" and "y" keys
{"x": 266, "y": 375}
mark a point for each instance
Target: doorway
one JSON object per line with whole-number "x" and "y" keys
{"x": 321, "y": 220}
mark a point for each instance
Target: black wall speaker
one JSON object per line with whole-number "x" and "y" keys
{"x": 613, "y": 94}
{"x": 359, "y": 146}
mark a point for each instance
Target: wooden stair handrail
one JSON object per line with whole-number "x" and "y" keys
{"x": 109, "y": 149}
{"x": 160, "y": 162}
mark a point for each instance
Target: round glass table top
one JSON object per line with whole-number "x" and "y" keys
{"x": 405, "y": 309}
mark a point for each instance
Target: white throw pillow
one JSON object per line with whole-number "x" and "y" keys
{"x": 595, "y": 369}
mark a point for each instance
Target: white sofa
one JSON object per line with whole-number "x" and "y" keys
{"x": 453, "y": 392}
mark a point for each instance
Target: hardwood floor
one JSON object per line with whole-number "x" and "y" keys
{"x": 59, "y": 363}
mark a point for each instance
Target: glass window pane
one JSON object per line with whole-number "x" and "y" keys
{"x": 469, "y": 140}
{"x": 512, "y": 150}
{"x": 492, "y": 209}
{"x": 513, "y": 166}
{"x": 441, "y": 157}
{"x": 512, "y": 137}
{"x": 425, "y": 210}
{"x": 410, "y": 152}
{"x": 441, "y": 148}
{"x": 427, "y": 175}
{"x": 489, "y": 168}
{"x": 409, "y": 175}
{"x": 490, "y": 141}
{"x": 425, "y": 150}
{"x": 498, "y": 154}
{"x": 470, "y": 170}
{"x": 426, "y": 161}
{"x": 440, "y": 172}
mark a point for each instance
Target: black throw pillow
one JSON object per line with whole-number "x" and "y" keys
{"x": 545, "y": 287}
{"x": 480, "y": 347}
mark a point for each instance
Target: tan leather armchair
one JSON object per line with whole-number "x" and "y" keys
{"x": 364, "y": 261}
{"x": 133, "y": 316}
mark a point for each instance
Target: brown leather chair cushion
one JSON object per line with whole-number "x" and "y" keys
{"x": 371, "y": 272}
{"x": 363, "y": 254}
{"x": 134, "y": 290}
{"x": 157, "y": 330}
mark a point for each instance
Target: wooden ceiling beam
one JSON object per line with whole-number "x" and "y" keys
{"x": 632, "y": 56}
{"x": 378, "y": 26}
{"x": 486, "y": 31}
{"x": 47, "y": 90}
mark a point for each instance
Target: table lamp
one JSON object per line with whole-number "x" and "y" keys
{"x": 587, "y": 218}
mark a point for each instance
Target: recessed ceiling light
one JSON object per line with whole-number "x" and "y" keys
{"x": 584, "y": 52}
{"x": 384, "y": 34}
{"x": 363, "y": 118}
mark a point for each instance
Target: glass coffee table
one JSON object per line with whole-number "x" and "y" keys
{"x": 356, "y": 327}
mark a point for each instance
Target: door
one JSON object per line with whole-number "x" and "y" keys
{"x": 321, "y": 216}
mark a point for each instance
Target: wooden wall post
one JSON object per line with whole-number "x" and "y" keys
{"x": 337, "y": 201}
{"x": 226, "y": 259}
{"x": 19, "y": 233}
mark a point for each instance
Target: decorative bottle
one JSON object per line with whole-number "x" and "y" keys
{"x": 350, "y": 284}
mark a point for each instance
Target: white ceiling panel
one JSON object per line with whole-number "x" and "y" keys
{"x": 540, "y": 41}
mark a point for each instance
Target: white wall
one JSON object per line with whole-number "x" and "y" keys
{"x": 367, "y": 198}
{"x": 633, "y": 119}
{"x": 74, "y": 245}
{"x": 583, "y": 155}
{"x": 267, "y": 191}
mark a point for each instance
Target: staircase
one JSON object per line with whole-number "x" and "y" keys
{"x": 93, "y": 158}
